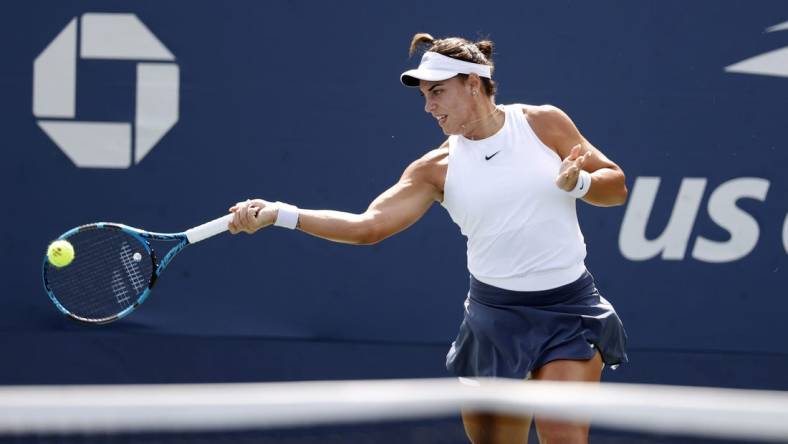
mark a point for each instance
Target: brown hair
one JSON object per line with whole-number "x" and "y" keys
{"x": 461, "y": 49}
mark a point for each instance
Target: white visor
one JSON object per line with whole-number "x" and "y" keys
{"x": 435, "y": 67}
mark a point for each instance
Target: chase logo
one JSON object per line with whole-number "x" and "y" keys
{"x": 772, "y": 63}
{"x": 106, "y": 144}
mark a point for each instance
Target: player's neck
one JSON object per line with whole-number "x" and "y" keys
{"x": 489, "y": 122}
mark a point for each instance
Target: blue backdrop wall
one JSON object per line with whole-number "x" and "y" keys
{"x": 300, "y": 101}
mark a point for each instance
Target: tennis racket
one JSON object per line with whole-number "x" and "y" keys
{"x": 114, "y": 268}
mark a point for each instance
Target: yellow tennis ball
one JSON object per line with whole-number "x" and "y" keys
{"x": 60, "y": 253}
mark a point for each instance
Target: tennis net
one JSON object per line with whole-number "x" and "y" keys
{"x": 412, "y": 410}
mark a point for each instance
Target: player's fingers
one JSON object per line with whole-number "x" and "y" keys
{"x": 260, "y": 203}
{"x": 572, "y": 172}
{"x": 236, "y": 222}
{"x": 256, "y": 213}
{"x": 243, "y": 221}
{"x": 252, "y": 215}
{"x": 232, "y": 228}
{"x": 237, "y": 207}
{"x": 240, "y": 216}
{"x": 568, "y": 178}
{"x": 574, "y": 152}
{"x": 570, "y": 182}
{"x": 567, "y": 165}
{"x": 561, "y": 180}
{"x": 584, "y": 158}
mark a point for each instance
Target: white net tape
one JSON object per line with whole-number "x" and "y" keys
{"x": 722, "y": 413}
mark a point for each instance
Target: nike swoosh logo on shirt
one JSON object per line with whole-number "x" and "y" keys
{"x": 492, "y": 155}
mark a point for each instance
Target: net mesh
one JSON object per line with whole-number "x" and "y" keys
{"x": 110, "y": 270}
{"x": 443, "y": 431}
{"x": 393, "y": 411}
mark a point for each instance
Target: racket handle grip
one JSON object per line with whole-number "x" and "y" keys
{"x": 208, "y": 229}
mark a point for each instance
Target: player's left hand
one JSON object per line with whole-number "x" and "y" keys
{"x": 570, "y": 168}
{"x": 252, "y": 215}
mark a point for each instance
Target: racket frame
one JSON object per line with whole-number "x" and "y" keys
{"x": 143, "y": 237}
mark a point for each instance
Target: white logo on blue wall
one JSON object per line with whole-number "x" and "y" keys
{"x": 674, "y": 240}
{"x": 672, "y": 243}
{"x": 772, "y": 63}
{"x": 106, "y": 144}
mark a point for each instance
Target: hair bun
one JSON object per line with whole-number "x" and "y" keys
{"x": 486, "y": 47}
{"x": 420, "y": 39}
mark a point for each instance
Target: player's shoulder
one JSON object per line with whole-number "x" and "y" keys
{"x": 433, "y": 156}
{"x": 546, "y": 114}
{"x": 548, "y": 121}
{"x": 436, "y": 154}
{"x": 430, "y": 163}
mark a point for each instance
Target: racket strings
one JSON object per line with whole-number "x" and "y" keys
{"x": 110, "y": 271}
{"x": 132, "y": 270}
{"x": 79, "y": 286}
{"x": 85, "y": 293}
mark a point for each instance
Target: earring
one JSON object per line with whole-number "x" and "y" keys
{"x": 474, "y": 92}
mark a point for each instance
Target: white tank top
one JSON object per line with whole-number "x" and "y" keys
{"x": 522, "y": 229}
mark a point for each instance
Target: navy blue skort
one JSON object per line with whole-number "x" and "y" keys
{"x": 508, "y": 333}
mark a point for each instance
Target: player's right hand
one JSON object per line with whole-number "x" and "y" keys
{"x": 252, "y": 215}
{"x": 571, "y": 167}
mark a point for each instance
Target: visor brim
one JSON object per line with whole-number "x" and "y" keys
{"x": 411, "y": 78}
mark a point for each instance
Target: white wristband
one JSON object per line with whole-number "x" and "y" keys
{"x": 287, "y": 216}
{"x": 582, "y": 186}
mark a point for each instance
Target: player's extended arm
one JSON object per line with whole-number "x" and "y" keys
{"x": 396, "y": 209}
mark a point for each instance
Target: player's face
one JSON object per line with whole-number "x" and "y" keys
{"x": 449, "y": 102}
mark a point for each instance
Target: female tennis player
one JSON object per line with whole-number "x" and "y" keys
{"x": 509, "y": 177}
